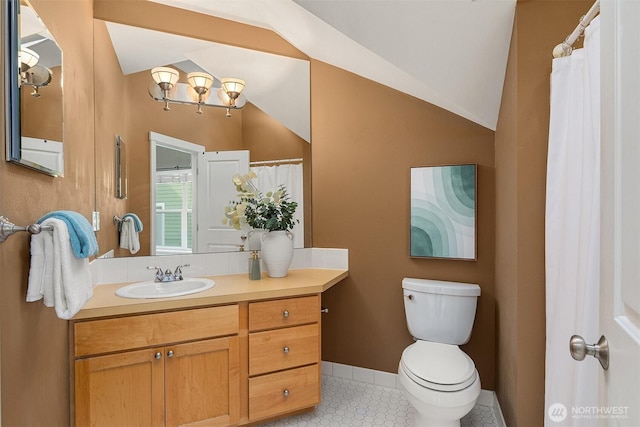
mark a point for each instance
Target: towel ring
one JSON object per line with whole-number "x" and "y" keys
{"x": 7, "y": 228}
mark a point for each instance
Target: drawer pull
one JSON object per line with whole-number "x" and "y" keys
{"x": 285, "y": 349}
{"x": 285, "y": 393}
{"x": 170, "y": 353}
{"x": 285, "y": 314}
{"x": 158, "y": 356}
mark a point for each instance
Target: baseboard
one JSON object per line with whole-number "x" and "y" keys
{"x": 388, "y": 379}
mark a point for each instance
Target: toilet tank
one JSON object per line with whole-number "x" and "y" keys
{"x": 440, "y": 311}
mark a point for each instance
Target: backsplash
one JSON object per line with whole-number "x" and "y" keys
{"x": 106, "y": 271}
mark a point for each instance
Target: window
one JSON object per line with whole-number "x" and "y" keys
{"x": 174, "y": 212}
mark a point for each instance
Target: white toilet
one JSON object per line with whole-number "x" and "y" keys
{"x": 440, "y": 380}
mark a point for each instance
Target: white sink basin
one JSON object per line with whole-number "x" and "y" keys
{"x": 153, "y": 289}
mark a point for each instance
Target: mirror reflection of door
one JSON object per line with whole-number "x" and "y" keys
{"x": 215, "y": 191}
{"x": 189, "y": 206}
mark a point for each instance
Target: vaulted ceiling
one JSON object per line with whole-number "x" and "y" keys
{"x": 451, "y": 53}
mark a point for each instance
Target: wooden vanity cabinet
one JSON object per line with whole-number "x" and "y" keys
{"x": 217, "y": 366}
{"x": 284, "y": 356}
{"x": 164, "y": 369}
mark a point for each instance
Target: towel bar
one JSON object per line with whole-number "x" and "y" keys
{"x": 7, "y": 228}
{"x": 117, "y": 219}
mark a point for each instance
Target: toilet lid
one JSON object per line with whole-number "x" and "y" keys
{"x": 438, "y": 366}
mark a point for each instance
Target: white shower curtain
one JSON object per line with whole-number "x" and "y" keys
{"x": 271, "y": 177}
{"x": 573, "y": 231}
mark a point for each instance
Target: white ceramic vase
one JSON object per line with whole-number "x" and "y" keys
{"x": 277, "y": 252}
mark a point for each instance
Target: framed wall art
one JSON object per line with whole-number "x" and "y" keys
{"x": 443, "y": 212}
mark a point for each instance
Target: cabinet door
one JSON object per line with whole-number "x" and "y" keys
{"x": 125, "y": 389}
{"x": 202, "y": 383}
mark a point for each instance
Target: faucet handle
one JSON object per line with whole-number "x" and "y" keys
{"x": 159, "y": 273}
{"x": 178, "y": 271}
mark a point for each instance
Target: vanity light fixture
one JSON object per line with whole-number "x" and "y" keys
{"x": 233, "y": 88}
{"x": 167, "y": 89}
{"x": 27, "y": 58}
{"x": 200, "y": 82}
{"x": 32, "y": 74}
{"x": 166, "y": 78}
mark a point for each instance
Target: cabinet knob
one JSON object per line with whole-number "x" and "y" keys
{"x": 158, "y": 356}
{"x": 285, "y": 314}
{"x": 170, "y": 353}
{"x": 285, "y": 392}
{"x": 285, "y": 349}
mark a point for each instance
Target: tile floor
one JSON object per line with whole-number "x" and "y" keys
{"x": 349, "y": 403}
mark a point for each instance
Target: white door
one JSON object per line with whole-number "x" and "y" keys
{"x": 43, "y": 152}
{"x": 620, "y": 230}
{"x": 215, "y": 191}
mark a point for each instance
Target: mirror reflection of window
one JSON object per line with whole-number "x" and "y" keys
{"x": 174, "y": 201}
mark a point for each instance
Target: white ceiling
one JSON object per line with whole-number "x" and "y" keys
{"x": 451, "y": 53}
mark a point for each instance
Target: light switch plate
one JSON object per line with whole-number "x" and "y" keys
{"x": 95, "y": 220}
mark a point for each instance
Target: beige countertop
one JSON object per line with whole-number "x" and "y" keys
{"x": 228, "y": 289}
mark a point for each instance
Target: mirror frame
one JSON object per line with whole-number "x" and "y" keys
{"x": 11, "y": 21}
{"x": 11, "y": 90}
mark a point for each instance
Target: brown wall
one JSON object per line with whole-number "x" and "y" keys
{"x": 41, "y": 117}
{"x": 267, "y": 139}
{"x": 521, "y": 149}
{"x": 111, "y": 114}
{"x": 35, "y": 367}
{"x": 361, "y": 165}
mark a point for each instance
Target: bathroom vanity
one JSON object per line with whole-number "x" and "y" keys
{"x": 242, "y": 352}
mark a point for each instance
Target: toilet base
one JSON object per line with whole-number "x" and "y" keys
{"x": 419, "y": 421}
{"x": 437, "y": 408}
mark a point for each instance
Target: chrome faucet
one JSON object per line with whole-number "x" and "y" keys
{"x": 168, "y": 276}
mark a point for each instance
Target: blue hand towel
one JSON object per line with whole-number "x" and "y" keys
{"x": 136, "y": 222}
{"x": 83, "y": 240}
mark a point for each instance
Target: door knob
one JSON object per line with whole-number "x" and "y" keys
{"x": 579, "y": 349}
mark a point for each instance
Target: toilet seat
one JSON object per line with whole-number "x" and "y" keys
{"x": 441, "y": 367}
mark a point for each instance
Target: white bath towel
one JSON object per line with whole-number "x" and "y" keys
{"x": 55, "y": 274}
{"x": 129, "y": 238}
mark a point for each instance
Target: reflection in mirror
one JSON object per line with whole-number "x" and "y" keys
{"x": 273, "y": 135}
{"x": 39, "y": 143}
{"x": 121, "y": 169}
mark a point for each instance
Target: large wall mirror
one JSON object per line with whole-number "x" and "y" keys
{"x": 163, "y": 147}
{"x": 34, "y": 91}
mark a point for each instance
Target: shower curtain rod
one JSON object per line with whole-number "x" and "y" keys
{"x": 275, "y": 162}
{"x": 566, "y": 47}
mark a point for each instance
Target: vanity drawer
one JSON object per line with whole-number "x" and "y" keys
{"x": 283, "y": 312}
{"x": 271, "y": 351}
{"x": 124, "y": 333}
{"x": 275, "y": 394}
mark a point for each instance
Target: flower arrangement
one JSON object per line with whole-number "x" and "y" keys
{"x": 272, "y": 211}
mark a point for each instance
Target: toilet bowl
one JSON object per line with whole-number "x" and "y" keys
{"x": 440, "y": 382}
{"x": 438, "y": 378}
